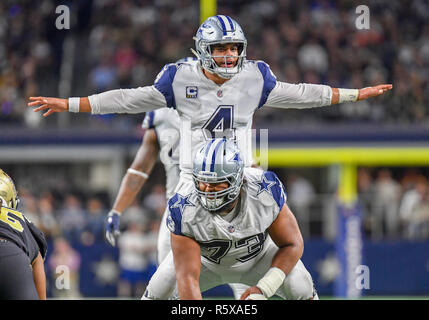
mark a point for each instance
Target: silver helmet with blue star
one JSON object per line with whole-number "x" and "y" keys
{"x": 219, "y": 29}
{"x": 216, "y": 162}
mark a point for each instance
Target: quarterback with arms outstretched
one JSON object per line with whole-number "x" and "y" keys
{"x": 215, "y": 96}
{"x": 232, "y": 224}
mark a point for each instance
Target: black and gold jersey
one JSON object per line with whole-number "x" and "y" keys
{"x": 15, "y": 227}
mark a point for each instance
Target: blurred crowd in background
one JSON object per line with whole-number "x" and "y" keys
{"x": 124, "y": 44}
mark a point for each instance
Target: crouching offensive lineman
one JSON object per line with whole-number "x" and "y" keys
{"x": 22, "y": 249}
{"x": 232, "y": 224}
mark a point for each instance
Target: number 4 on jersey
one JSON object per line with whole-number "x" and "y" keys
{"x": 220, "y": 124}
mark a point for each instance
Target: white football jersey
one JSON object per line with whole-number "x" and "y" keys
{"x": 233, "y": 241}
{"x": 166, "y": 124}
{"x": 209, "y": 110}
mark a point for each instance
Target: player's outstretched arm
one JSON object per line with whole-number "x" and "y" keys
{"x": 352, "y": 95}
{"x": 285, "y": 233}
{"x": 187, "y": 263}
{"x": 306, "y": 95}
{"x": 52, "y": 105}
{"x": 134, "y": 100}
{"x": 132, "y": 183}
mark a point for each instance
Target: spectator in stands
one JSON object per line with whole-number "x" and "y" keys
{"x": 135, "y": 213}
{"x": 301, "y": 195}
{"x": 64, "y": 264}
{"x": 135, "y": 260}
{"x": 366, "y": 197}
{"x": 387, "y": 194}
{"x": 414, "y": 211}
{"x": 156, "y": 200}
{"x": 48, "y": 220}
{"x": 72, "y": 218}
{"x": 95, "y": 215}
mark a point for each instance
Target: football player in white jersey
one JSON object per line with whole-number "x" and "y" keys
{"x": 232, "y": 224}
{"x": 161, "y": 137}
{"x": 215, "y": 96}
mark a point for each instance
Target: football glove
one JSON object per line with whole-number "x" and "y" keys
{"x": 112, "y": 227}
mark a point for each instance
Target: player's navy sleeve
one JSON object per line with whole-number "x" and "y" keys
{"x": 164, "y": 84}
{"x": 278, "y": 191}
{"x": 39, "y": 236}
{"x": 174, "y": 218}
{"x": 269, "y": 82}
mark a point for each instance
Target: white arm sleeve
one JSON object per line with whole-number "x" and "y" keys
{"x": 303, "y": 95}
{"x": 136, "y": 100}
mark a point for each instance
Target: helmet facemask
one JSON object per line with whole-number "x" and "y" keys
{"x": 209, "y": 62}
{"x": 217, "y": 162}
{"x": 214, "y": 201}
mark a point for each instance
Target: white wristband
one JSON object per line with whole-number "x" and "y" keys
{"x": 115, "y": 211}
{"x": 139, "y": 173}
{"x": 271, "y": 282}
{"x": 74, "y": 104}
{"x": 348, "y": 95}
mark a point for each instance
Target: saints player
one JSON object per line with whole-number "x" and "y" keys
{"x": 215, "y": 96}
{"x": 232, "y": 224}
{"x": 22, "y": 249}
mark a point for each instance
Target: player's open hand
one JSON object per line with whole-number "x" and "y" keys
{"x": 50, "y": 104}
{"x": 370, "y": 92}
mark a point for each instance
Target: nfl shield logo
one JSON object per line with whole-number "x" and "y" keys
{"x": 231, "y": 229}
{"x": 191, "y": 92}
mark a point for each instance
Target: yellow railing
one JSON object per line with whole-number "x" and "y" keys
{"x": 348, "y": 158}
